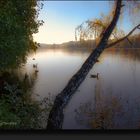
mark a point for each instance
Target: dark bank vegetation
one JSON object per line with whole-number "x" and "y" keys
{"x": 18, "y": 109}
{"x": 18, "y": 22}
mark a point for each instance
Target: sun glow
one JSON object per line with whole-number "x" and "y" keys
{"x": 51, "y": 33}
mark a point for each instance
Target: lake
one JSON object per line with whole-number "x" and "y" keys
{"x": 110, "y": 102}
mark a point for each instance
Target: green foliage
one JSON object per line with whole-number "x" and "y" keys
{"x": 18, "y": 21}
{"x": 17, "y": 108}
{"x": 7, "y": 118}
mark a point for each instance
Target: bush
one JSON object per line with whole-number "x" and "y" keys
{"x": 17, "y": 108}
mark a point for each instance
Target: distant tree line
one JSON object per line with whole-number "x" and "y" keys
{"x": 134, "y": 42}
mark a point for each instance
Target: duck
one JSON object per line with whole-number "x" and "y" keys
{"x": 34, "y": 65}
{"x": 94, "y": 76}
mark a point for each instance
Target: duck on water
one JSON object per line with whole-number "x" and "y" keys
{"x": 94, "y": 76}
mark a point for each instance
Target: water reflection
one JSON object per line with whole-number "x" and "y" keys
{"x": 102, "y": 113}
{"x": 118, "y": 72}
{"x": 113, "y": 101}
{"x": 55, "y": 68}
{"x": 107, "y": 111}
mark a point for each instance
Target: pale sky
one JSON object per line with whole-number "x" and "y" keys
{"x": 62, "y": 17}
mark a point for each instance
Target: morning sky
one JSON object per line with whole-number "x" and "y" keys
{"x": 61, "y": 18}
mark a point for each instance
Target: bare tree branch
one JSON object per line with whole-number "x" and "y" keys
{"x": 123, "y": 38}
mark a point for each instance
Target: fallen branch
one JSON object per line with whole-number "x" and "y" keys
{"x": 123, "y": 38}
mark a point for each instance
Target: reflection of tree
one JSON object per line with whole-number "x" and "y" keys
{"x": 126, "y": 53}
{"x": 16, "y": 76}
{"x": 100, "y": 113}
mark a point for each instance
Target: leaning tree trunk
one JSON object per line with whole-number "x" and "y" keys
{"x": 56, "y": 116}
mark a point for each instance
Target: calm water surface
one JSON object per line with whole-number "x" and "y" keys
{"x": 112, "y": 101}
